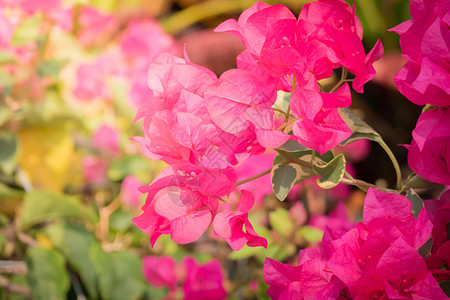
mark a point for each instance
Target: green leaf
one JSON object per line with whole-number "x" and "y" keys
{"x": 74, "y": 242}
{"x": 8, "y": 155}
{"x": 127, "y": 165}
{"x": 279, "y": 158}
{"x": 5, "y": 113}
{"x": 8, "y": 192}
{"x": 47, "y": 276}
{"x": 245, "y": 252}
{"x": 120, "y": 221}
{"x": 283, "y": 178}
{"x": 361, "y": 130}
{"x": 425, "y": 249}
{"x": 293, "y": 146}
{"x": 40, "y": 206}
{"x": 6, "y": 83}
{"x": 310, "y": 234}
{"x": 50, "y": 68}
{"x": 416, "y": 182}
{"x": 416, "y": 201}
{"x": 280, "y": 221}
{"x": 331, "y": 173}
{"x": 120, "y": 275}
{"x": 6, "y": 57}
{"x": 27, "y": 31}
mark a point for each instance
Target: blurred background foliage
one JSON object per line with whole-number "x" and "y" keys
{"x": 65, "y": 211}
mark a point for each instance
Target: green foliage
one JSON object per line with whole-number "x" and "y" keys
{"x": 9, "y": 145}
{"x": 47, "y": 276}
{"x": 331, "y": 173}
{"x": 283, "y": 178}
{"x": 279, "y": 220}
{"x": 41, "y": 206}
{"x": 75, "y": 242}
{"x": 361, "y": 130}
{"x": 310, "y": 234}
{"x": 27, "y": 31}
{"x": 119, "y": 274}
{"x": 416, "y": 201}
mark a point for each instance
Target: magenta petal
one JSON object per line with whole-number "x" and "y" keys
{"x": 190, "y": 228}
{"x": 387, "y": 205}
{"x": 271, "y": 139}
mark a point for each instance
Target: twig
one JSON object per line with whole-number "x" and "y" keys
{"x": 14, "y": 288}
{"x": 13, "y": 267}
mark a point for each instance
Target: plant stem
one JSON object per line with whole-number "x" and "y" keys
{"x": 254, "y": 177}
{"x": 394, "y": 161}
{"x": 365, "y": 185}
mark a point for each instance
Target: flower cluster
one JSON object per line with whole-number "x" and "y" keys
{"x": 198, "y": 281}
{"x": 376, "y": 260}
{"x": 203, "y": 126}
{"x": 424, "y": 80}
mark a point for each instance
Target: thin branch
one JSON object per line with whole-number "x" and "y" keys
{"x": 254, "y": 177}
{"x": 13, "y": 267}
{"x": 14, "y": 288}
{"x": 365, "y": 185}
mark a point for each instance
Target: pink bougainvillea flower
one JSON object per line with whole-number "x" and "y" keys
{"x": 229, "y": 224}
{"x": 94, "y": 25}
{"x": 284, "y": 280}
{"x": 130, "y": 191}
{"x": 425, "y": 43}
{"x": 239, "y": 100}
{"x": 439, "y": 212}
{"x": 106, "y": 139}
{"x": 142, "y": 41}
{"x": 94, "y": 169}
{"x": 160, "y": 271}
{"x": 378, "y": 258}
{"x": 182, "y": 203}
{"x": 6, "y": 31}
{"x": 256, "y": 25}
{"x": 320, "y": 126}
{"x": 335, "y": 24}
{"x": 92, "y": 76}
{"x": 384, "y": 208}
{"x": 203, "y": 282}
{"x": 429, "y": 152}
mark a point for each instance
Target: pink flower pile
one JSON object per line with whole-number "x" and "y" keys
{"x": 376, "y": 260}
{"x": 203, "y": 126}
{"x": 424, "y": 79}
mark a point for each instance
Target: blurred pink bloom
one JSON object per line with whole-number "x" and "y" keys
{"x": 130, "y": 191}
{"x": 95, "y": 25}
{"x": 94, "y": 169}
{"x": 142, "y": 41}
{"x": 91, "y": 77}
{"x": 429, "y": 152}
{"x": 425, "y": 43}
{"x": 203, "y": 282}
{"x": 356, "y": 151}
{"x": 298, "y": 214}
{"x": 106, "y": 139}
{"x": 337, "y": 219}
{"x": 6, "y": 31}
{"x": 160, "y": 271}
